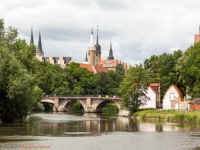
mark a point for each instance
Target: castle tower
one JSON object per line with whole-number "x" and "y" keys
{"x": 110, "y": 52}
{"x": 31, "y": 41}
{"x": 91, "y": 50}
{"x": 98, "y": 51}
{"x": 39, "y": 51}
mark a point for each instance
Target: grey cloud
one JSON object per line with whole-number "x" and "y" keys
{"x": 138, "y": 29}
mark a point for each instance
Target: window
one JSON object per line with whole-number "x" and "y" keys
{"x": 171, "y": 96}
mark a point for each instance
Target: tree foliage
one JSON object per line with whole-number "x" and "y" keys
{"x": 189, "y": 70}
{"x": 167, "y": 71}
{"x": 133, "y": 88}
{"x": 107, "y": 83}
{"x": 16, "y": 80}
{"x": 16, "y": 87}
{"x": 162, "y": 70}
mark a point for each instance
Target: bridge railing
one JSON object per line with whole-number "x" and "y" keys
{"x": 108, "y": 96}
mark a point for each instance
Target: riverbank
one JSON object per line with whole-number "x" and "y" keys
{"x": 169, "y": 115}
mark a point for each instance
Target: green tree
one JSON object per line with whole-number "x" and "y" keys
{"x": 133, "y": 88}
{"x": 16, "y": 87}
{"x": 162, "y": 70}
{"x": 51, "y": 78}
{"x": 101, "y": 82}
{"x": 151, "y": 65}
{"x": 114, "y": 80}
{"x": 81, "y": 80}
{"x": 167, "y": 73}
{"x": 189, "y": 70}
{"x": 120, "y": 69}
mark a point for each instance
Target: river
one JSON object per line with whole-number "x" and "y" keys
{"x": 89, "y": 131}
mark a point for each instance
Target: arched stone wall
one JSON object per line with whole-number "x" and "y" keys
{"x": 100, "y": 106}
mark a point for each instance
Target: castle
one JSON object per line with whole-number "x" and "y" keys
{"x": 62, "y": 61}
{"x": 93, "y": 56}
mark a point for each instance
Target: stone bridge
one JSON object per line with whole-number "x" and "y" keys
{"x": 90, "y": 104}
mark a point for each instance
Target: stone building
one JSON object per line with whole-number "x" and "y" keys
{"x": 94, "y": 51}
{"x": 93, "y": 57}
{"x": 62, "y": 61}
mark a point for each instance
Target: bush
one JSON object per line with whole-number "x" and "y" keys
{"x": 110, "y": 107}
{"x": 77, "y": 106}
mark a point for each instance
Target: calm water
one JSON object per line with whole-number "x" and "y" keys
{"x": 57, "y": 131}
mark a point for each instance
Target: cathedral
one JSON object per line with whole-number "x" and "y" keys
{"x": 93, "y": 57}
{"x": 61, "y": 61}
{"x": 92, "y": 60}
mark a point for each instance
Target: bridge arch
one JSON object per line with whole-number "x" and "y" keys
{"x": 48, "y": 104}
{"x": 99, "y": 107}
{"x": 67, "y": 105}
{"x": 90, "y": 104}
{"x": 70, "y": 103}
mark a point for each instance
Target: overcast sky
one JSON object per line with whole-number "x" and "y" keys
{"x": 137, "y": 28}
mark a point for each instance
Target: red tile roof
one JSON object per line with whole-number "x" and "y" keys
{"x": 101, "y": 62}
{"x": 93, "y": 69}
{"x": 87, "y": 66}
{"x": 155, "y": 87}
{"x": 100, "y": 69}
{"x": 154, "y": 84}
{"x": 196, "y": 38}
{"x": 177, "y": 89}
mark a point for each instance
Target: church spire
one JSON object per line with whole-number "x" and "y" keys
{"x": 39, "y": 49}
{"x": 98, "y": 47}
{"x": 97, "y": 37}
{"x": 91, "y": 44}
{"x": 86, "y": 59}
{"x": 110, "y": 52}
{"x": 31, "y": 41}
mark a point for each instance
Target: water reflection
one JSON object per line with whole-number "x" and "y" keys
{"x": 97, "y": 131}
{"x": 89, "y": 124}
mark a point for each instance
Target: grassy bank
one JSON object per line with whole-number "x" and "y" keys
{"x": 169, "y": 115}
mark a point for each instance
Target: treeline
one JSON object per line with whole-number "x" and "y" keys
{"x": 74, "y": 80}
{"x": 24, "y": 80}
{"x": 178, "y": 68}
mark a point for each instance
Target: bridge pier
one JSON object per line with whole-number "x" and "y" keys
{"x": 56, "y": 102}
{"x": 89, "y": 109}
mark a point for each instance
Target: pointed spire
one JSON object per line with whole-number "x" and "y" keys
{"x": 91, "y": 44}
{"x": 110, "y": 52}
{"x": 39, "y": 49}
{"x": 31, "y": 41}
{"x": 98, "y": 47}
{"x": 97, "y": 36}
{"x": 86, "y": 59}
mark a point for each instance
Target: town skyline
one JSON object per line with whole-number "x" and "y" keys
{"x": 137, "y": 29}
